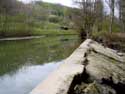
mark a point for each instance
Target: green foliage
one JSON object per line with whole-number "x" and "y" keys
{"x": 50, "y": 26}
{"x": 104, "y": 27}
{"x": 15, "y": 26}
{"x": 53, "y": 32}
{"x": 55, "y": 19}
{"x": 28, "y": 19}
{"x": 15, "y": 54}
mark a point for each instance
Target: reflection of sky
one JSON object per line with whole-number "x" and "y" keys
{"x": 25, "y": 79}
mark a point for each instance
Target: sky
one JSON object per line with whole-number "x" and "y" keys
{"x": 63, "y": 2}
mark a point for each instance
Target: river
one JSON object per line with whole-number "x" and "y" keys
{"x": 26, "y": 63}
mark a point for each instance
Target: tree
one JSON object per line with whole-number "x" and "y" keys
{"x": 7, "y": 5}
{"x": 99, "y": 12}
{"x": 86, "y": 15}
{"x": 111, "y": 4}
{"x": 121, "y": 4}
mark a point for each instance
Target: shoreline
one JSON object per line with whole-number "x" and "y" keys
{"x": 31, "y": 37}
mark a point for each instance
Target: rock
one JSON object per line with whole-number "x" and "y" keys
{"x": 93, "y": 88}
{"x": 120, "y": 54}
{"x": 105, "y": 69}
{"x": 91, "y": 69}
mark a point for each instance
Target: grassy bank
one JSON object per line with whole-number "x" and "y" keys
{"x": 38, "y": 32}
{"x": 38, "y": 18}
{"x": 54, "y": 32}
{"x": 20, "y": 26}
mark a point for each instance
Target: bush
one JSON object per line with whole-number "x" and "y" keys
{"x": 54, "y": 19}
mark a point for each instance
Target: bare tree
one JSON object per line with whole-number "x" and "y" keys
{"x": 86, "y": 15}
{"x": 111, "y": 4}
{"x": 121, "y": 5}
{"x": 7, "y": 5}
{"x": 99, "y": 12}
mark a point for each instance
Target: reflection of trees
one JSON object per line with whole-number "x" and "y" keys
{"x": 38, "y": 51}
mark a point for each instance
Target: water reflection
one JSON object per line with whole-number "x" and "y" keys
{"x": 15, "y": 54}
{"x": 26, "y": 78}
{"x": 21, "y": 62}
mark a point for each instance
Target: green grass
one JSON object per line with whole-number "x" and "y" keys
{"x": 16, "y": 26}
{"x": 36, "y": 32}
{"x": 53, "y": 32}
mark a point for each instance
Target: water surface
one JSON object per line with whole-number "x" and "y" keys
{"x": 25, "y": 63}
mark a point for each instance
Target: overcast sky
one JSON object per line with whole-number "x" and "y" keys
{"x": 63, "y": 2}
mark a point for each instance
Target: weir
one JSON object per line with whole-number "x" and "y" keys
{"x": 91, "y": 69}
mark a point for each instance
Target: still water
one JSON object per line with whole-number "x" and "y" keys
{"x": 26, "y": 63}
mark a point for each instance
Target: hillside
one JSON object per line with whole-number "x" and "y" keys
{"x": 32, "y": 19}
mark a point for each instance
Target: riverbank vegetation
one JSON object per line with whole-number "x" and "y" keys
{"x": 36, "y": 18}
{"x": 102, "y": 20}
